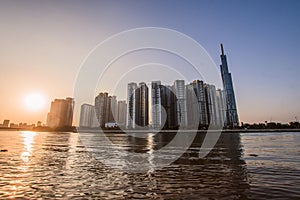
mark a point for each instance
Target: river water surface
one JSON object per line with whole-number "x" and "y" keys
{"x": 240, "y": 166}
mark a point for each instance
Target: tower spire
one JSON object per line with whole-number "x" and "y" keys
{"x": 232, "y": 118}
{"x": 222, "y": 49}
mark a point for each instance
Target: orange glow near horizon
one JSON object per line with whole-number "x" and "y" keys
{"x": 27, "y": 106}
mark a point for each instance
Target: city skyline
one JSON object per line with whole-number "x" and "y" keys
{"x": 43, "y": 46}
{"x": 194, "y": 105}
{"x": 190, "y": 105}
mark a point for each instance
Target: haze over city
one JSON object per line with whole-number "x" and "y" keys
{"x": 44, "y": 44}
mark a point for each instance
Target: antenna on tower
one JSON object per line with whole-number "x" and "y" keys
{"x": 222, "y": 49}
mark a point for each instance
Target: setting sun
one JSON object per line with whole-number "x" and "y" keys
{"x": 35, "y": 101}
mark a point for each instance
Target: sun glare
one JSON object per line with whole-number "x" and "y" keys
{"x": 35, "y": 101}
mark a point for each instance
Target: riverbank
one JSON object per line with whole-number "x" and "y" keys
{"x": 150, "y": 130}
{"x": 187, "y": 131}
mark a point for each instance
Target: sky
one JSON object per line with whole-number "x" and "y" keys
{"x": 44, "y": 43}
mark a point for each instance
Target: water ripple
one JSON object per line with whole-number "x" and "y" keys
{"x": 57, "y": 166}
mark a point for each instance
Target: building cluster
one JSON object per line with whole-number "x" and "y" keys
{"x": 106, "y": 112}
{"x": 192, "y": 105}
{"x": 22, "y": 125}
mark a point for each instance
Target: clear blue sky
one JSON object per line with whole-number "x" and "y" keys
{"x": 44, "y": 42}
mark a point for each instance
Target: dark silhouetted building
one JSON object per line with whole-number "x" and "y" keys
{"x": 5, "y": 123}
{"x": 39, "y": 124}
{"x": 169, "y": 104}
{"x": 142, "y": 105}
{"x": 164, "y": 106}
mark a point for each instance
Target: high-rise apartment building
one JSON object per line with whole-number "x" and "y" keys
{"x": 61, "y": 113}
{"x": 180, "y": 92}
{"x": 142, "y": 105}
{"x": 101, "y": 108}
{"x": 212, "y": 105}
{"x": 164, "y": 106}
{"x": 232, "y": 118}
{"x": 131, "y": 106}
{"x": 221, "y": 105}
{"x": 193, "y": 113}
{"x": 137, "y": 106}
{"x": 196, "y": 104}
{"x": 169, "y": 105}
{"x": 113, "y": 109}
{"x": 106, "y": 108}
{"x": 156, "y": 104}
{"x": 121, "y": 113}
{"x": 88, "y": 117}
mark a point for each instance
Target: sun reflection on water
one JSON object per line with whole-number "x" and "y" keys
{"x": 28, "y": 141}
{"x": 150, "y": 147}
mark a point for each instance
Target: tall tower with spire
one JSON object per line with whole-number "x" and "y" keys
{"x": 232, "y": 118}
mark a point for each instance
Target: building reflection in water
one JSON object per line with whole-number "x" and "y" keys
{"x": 223, "y": 167}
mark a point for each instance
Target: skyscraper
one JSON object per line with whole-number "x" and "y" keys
{"x": 88, "y": 116}
{"x": 212, "y": 105}
{"x": 137, "y": 106}
{"x": 193, "y": 113}
{"x": 221, "y": 105}
{"x": 169, "y": 103}
{"x": 106, "y": 108}
{"x": 179, "y": 90}
{"x": 164, "y": 106}
{"x": 131, "y": 105}
{"x": 101, "y": 108}
{"x": 142, "y": 105}
{"x": 196, "y": 103}
{"x": 156, "y": 104}
{"x": 121, "y": 113}
{"x": 113, "y": 109}
{"x": 61, "y": 113}
{"x": 232, "y": 118}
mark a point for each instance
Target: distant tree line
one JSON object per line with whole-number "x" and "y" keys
{"x": 271, "y": 125}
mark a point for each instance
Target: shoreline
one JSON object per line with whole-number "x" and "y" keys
{"x": 198, "y": 131}
{"x": 156, "y": 131}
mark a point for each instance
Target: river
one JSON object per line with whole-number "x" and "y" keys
{"x": 50, "y": 165}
